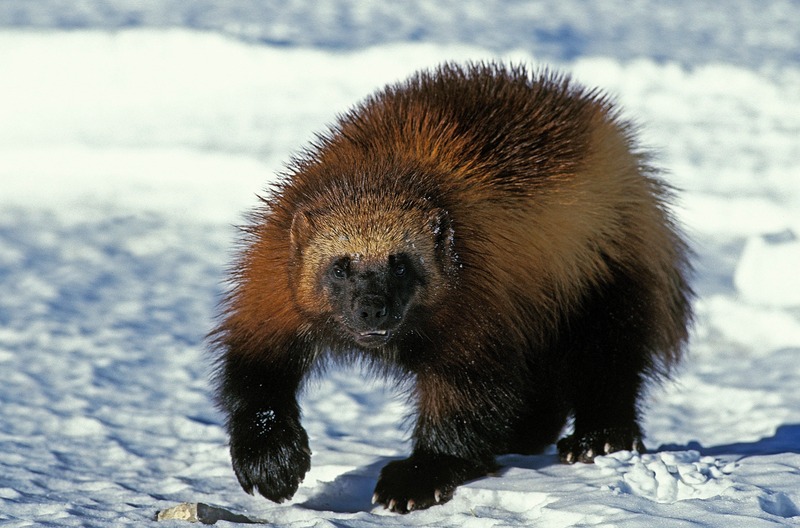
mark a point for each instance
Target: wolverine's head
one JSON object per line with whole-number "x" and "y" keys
{"x": 369, "y": 298}
{"x": 370, "y": 270}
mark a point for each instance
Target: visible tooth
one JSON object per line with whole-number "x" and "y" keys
{"x": 392, "y": 504}
{"x": 374, "y": 498}
{"x": 607, "y": 448}
{"x": 437, "y": 496}
{"x": 410, "y": 505}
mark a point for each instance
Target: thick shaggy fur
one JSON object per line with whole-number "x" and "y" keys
{"x": 491, "y": 234}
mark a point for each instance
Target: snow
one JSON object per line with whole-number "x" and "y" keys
{"x": 688, "y": 31}
{"x": 767, "y": 271}
{"x": 127, "y": 156}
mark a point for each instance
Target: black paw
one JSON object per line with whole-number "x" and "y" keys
{"x": 422, "y": 481}
{"x": 272, "y": 461}
{"x": 585, "y": 447}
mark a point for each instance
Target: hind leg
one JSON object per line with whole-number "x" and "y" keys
{"x": 608, "y": 355}
{"x": 590, "y": 441}
{"x": 606, "y": 419}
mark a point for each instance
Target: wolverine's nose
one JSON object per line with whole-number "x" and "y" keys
{"x": 372, "y": 311}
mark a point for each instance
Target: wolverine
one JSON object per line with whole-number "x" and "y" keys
{"x": 491, "y": 235}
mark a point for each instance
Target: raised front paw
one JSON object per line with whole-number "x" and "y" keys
{"x": 274, "y": 464}
{"x": 585, "y": 447}
{"x": 422, "y": 481}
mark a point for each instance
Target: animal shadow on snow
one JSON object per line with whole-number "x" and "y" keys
{"x": 349, "y": 492}
{"x": 785, "y": 440}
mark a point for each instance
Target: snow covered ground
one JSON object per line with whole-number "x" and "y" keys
{"x": 127, "y": 156}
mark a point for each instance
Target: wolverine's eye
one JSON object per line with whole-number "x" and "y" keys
{"x": 338, "y": 272}
{"x": 340, "y": 268}
{"x": 399, "y": 270}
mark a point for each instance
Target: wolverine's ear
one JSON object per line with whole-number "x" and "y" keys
{"x": 441, "y": 227}
{"x": 303, "y": 225}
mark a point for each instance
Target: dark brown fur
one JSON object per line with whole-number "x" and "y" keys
{"x": 493, "y": 235}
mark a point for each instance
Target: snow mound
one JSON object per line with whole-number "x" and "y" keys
{"x": 767, "y": 271}
{"x": 667, "y": 477}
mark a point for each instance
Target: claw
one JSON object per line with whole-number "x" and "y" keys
{"x": 437, "y": 496}
{"x": 410, "y": 505}
{"x": 607, "y": 448}
{"x": 374, "y": 498}
{"x": 392, "y": 504}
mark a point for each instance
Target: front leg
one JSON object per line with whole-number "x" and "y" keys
{"x": 424, "y": 480}
{"x": 269, "y": 452}
{"x": 458, "y": 433}
{"x": 268, "y": 445}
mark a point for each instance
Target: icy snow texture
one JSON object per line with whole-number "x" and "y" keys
{"x": 126, "y": 157}
{"x": 689, "y": 31}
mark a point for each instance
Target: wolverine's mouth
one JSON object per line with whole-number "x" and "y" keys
{"x": 373, "y": 338}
